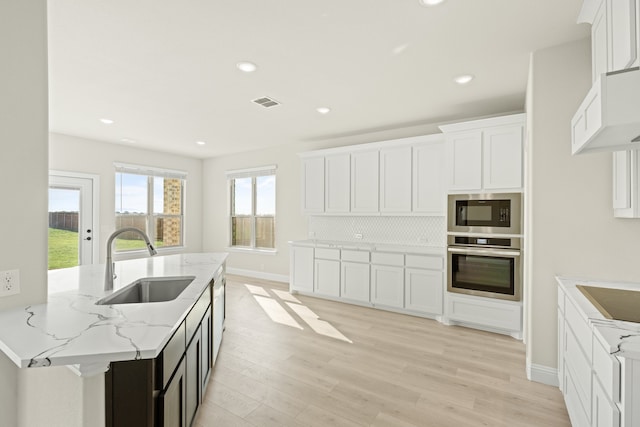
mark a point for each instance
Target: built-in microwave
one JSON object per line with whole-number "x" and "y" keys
{"x": 495, "y": 213}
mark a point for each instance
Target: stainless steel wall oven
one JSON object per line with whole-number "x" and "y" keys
{"x": 489, "y": 266}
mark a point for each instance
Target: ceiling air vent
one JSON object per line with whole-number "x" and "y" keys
{"x": 266, "y": 102}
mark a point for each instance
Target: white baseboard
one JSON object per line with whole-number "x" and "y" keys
{"x": 542, "y": 374}
{"x": 258, "y": 274}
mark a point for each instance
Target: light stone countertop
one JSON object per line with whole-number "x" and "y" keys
{"x": 618, "y": 337}
{"x": 377, "y": 247}
{"x": 70, "y": 329}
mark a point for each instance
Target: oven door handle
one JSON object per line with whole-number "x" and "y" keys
{"x": 494, "y": 252}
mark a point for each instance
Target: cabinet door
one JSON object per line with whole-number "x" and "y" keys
{"x": 364, "y": 181}
{"x": 395, "y": 180}
{"x": 313, "y": 185}
{"x": 604, "y": 412}
{"x": 621, "y": 180}
{"x": 206, "y": 358}
{"x": 337, "y": 188}
{"x": 502, "y": 157}
{"x": 172, "y": 400}
{"x": 192, "y": 378}
{"x": 387, "y": 285}
{"x": 464, "y": 160}
{"x": 302, "y": 269}
{"x": 423, "y": 290}
{"x": 429, "y": 192}
{"x": 622, "y": 34}
{"x": 355, "y": 281}
{"x": 327, "y": 277}
{"x": 599, "y": 61}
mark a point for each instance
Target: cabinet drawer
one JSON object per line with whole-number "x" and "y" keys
{"x": 577, "y": 414}
{"x": 325, "y": 253}
{"x": 580, "y": 328}
{"x": 171, "y": 355}
{"x": 355, "y": 256}
{"x": 425, "y": 261}
{"x": 197, "y": 313}
{"x": 607, "y": 369}
{"x": 580, "y": 369}
{"x": 604, "y": 412}
{"x": 496, "y": 314}
{"x": 387, "y": 259}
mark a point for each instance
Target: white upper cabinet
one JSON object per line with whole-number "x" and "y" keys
{"x": 313, "y": 185}
{"x": 395, "y": 180}
{"x": 398, "y": 177}
{"x": 337, "y": 189}
{"x": 622, "y": 34}
{"x": 428, "y": 178}
{"x": 485, "y": 155}
{"x": 502, "y": 157}
{"x": 609, "y": 117}
{"x": 364, "y": 181}
{"x": 599, "y": 60}
{"x": 626, "y": 184}
{"x": 464, "y": 160}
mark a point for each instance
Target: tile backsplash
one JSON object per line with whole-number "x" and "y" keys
{"x": 401, "y": 230}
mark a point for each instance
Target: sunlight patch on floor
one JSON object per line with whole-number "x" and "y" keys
{"x": 321, "y": 327}
{"x": 257, "y": 290}
{"x": 285, "y": 296}
{"x": 276, "y": 312}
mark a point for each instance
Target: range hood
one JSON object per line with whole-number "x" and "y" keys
{"x": 609, "y": 117}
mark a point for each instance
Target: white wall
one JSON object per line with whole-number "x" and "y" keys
{"x": 572, "y": 230}
{"x": 72, "y": 154}
{"x": 23, "y": 168}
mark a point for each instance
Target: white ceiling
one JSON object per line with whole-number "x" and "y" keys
{"x": 165, "y": 71}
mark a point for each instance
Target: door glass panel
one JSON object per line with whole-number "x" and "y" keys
{"x": 64, "y": 217}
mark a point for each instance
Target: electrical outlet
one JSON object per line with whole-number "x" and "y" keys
{"x": 9, "y": 282}
{"x": 358, "y": 236}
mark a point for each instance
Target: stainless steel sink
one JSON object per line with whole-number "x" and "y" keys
{"x": 149, "y": 289}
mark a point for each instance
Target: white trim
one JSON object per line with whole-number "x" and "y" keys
{"x": 251, "y": 172}
{"x": 95, "y": 179}
{"x": 372, "y": 146}
{"x": 513, "y": 119}
{"x": 149, "y": 170}
{"x": 542, "y": 374}
{"x": 258, "y": 274}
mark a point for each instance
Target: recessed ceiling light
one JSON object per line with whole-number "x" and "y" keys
{"x": 464, "y": 79}
{"x": 323, "y": 110}
{"x": 430, "y": 2}
{"x": 107, "y": 121}
{"x": 201, "y": 143}
{"x": 128, "y": 140}
{"x": 247, "y": 67}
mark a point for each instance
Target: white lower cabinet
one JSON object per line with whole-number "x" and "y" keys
{"x": 492, "y": 314}
{"x": 600, "y": 389}
{"x": 423, "y": 290}
{"x": 354, "y": 281}
{"x": 387, "y": 285}
{"x": 409, "y": 283}
{"x": 327, "y": 277}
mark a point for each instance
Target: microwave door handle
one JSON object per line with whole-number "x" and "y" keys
{"x": 494, "y": 252}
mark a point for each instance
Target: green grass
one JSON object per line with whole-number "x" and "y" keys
{"x": 63, "y": 249}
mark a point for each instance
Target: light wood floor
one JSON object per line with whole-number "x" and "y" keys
{"x": 398, "y": 371}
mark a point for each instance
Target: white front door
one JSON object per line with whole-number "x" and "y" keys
{"x": 72, "y": 240}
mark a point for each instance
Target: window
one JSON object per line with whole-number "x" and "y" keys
{"x": 253, "y": 208}
{"x": 151, "y": 200}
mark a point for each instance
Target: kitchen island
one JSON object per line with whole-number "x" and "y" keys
{"x": 598, "y": 357}
{"x": 72, "y": 330}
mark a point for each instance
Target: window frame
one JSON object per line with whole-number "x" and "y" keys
{"x": 150, "y": 217}
{"x": 254, "y": 174}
